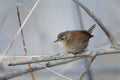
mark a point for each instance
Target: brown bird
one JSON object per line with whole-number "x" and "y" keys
{"x": 75, "y": 41}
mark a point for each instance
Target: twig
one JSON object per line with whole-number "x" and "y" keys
{"x": 87, "y": 68}
{"x": 67, "y": 78}
{"x": 98, "y": 21}
{"x": 24, "y": 44}
{"x": 89, "y": 73}
{"x": 20, "y": 60}
{"x": 16, "y": 35}
{"x": 48, "y": 64}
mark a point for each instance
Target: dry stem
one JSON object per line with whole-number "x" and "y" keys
{"x": 24, "y": 44}
{"x": 21, "y": 60}
{"x": 25, "y": 71}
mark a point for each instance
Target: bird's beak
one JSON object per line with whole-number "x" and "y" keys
{"x": 56, "y": 41}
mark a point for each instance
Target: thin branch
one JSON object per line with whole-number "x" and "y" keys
{"x": 89, "y": 73}
{"x": 16, "y": 35}
{"x": 101, "y": 25}
{"x": 24, "y": 44}
{"x": 21, "y": 60}
{"x": 25, "y": 71}
{"x": 67, "y": 78}
{"x": 82, "y": 75}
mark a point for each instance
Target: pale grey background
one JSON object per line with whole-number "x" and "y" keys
{"x": 52, "y": 17}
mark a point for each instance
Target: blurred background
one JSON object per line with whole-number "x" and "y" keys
{"x": 49, "y": 19}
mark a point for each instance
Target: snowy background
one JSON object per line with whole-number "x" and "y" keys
{"x": 49, "y": 19}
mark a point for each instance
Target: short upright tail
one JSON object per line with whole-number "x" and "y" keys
{"x": 90, "y": 30}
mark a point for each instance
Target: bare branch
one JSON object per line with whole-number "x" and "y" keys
{"x": 24, "y": 43}
{"x": 55, "y": 63}
{"x": 25, "y": 71}
{"x": 16, "y": 35}
{"x": 82, "y": 75}
{"x": 20, "y": 60}
{"x": 101, "y": 25}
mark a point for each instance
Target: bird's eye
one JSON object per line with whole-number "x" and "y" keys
{"x": 62, "y": 38}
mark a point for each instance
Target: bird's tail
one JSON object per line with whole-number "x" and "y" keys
{"x": 90, "y": 30}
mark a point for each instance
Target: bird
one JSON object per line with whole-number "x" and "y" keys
{"x": 75, "y": 41}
